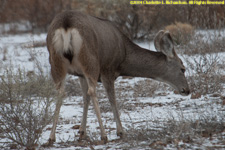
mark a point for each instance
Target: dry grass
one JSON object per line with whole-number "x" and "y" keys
{"x": 180, "y": 32}
{"x": 145, "y": 88}
{"x": 182, "y": 132}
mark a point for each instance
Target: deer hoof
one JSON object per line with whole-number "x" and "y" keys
{"x": 49, "y": 143}
{"x": 83, "y": 136}
{"x": 81, "y": 132}
{"x": 120, "y": 134}
{"x": 104, "y": 139}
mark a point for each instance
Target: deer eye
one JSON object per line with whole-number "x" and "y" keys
{"x": 183, "y": 70}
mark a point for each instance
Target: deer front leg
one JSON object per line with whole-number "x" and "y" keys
{"x": 108, "y": 83}
{"x": 86, "y": 99}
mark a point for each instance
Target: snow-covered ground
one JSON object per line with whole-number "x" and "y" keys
{"x": 139, "y": 112}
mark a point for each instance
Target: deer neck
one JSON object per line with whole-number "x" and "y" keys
{"x": 140, "y": 62}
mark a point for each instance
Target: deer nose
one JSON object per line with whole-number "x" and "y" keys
{"x": 185, "y": 91}
{"x": 188, "y": 92}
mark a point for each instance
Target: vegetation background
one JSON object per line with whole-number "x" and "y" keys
{"x": 137, "y": 21}
{"x": 27, "y": 97}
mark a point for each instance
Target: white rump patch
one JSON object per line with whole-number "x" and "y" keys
{"x": 64, "y": 41}
{"x": 76, "y": 40}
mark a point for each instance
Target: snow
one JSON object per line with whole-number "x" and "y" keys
{"x": 23, "y": 26}
{"x": 209, "y": 35}
{"x": 17, "y": 50}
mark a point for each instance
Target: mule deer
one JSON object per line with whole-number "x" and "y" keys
{"x": 95, "y": 50}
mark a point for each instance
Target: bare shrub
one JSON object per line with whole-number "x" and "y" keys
{"x": 205, "y": 42}
{"x": 206, "y": 75}
{"x": 181, "y": 32}
{"x": 25, "y": 106}
{"x": 38, "y": 14}
{"x": 72, "y": 87}
{"x": 133, "y": 21}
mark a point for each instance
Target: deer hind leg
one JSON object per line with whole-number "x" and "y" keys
{"x": 89, "y": 65}
{"x": 108, "y": 83}
{"x": 86, "y": 99}
{"x": 58, "y": 74}
{"x": 92, "y": 92}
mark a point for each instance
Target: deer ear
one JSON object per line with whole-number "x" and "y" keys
{"x": 166, "y": 45}
{"x": 157, "y": 40}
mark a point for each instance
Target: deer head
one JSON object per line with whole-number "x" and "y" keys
{"x": 174, "y": 70}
